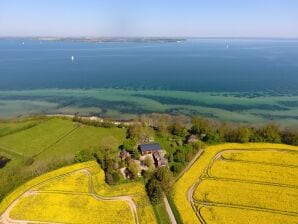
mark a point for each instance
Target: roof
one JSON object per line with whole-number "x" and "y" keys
{"x": 150, "y": 147}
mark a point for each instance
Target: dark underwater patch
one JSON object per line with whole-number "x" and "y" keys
{"x": 229, "y": 107}
{"x": 82, "y": 102}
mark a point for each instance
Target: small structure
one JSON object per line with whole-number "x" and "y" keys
{"x": 159, "y": 160}
{"x": 149, "y": 148}
{"x": 192, "y": 139}
{"x": 124, "y": 154}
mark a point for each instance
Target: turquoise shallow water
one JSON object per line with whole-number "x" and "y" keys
{"x": 251, "y": 81}
{"x": 193, "y": 65}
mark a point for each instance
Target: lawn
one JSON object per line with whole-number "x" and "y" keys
{"x": 229, "y": 186}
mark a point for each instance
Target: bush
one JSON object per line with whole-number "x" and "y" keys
{"x": 83, "y": 156}
{"x": 176, "y": 168}
{"x": 179, "y": 156}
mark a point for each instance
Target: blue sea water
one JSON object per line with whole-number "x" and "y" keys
{"x": 192, "y": 65}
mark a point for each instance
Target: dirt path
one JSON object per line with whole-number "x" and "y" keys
{"x": 127, "y": 198}
{"x": 169, "y": 210}
{"x": 168, "y": 207}
{"x": 199, "y": 153}
{"x": 5, "y": 218}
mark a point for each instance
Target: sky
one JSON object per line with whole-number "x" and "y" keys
{"x": 162, "y": 18}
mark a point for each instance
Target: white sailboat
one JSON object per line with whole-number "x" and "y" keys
{"x": 72, "y": 58}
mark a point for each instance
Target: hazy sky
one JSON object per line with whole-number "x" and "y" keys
{"x": 200, "y": 18}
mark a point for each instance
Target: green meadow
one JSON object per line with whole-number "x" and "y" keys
{"x": 41, "y": 144}
{"x": 242, "y": 107}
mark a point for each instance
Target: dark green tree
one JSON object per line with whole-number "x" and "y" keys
{"x": 154, "y": 191}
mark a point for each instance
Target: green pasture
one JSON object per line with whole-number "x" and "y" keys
{"x": 37, "y": 145}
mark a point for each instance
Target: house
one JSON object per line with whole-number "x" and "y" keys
{"x": 124, "y": 154}
{"x": 159, "y": 159}
{"x": 149, "y": 148}
{"x": 192, "y": 139}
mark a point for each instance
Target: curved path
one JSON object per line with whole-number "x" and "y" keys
{"x": 5, "y": 218}
{"x": 207, "y": 175}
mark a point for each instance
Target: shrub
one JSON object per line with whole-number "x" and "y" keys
{"x": 83, "y": 156}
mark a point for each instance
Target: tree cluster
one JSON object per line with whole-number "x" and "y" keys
{"x": 159, "y": 183}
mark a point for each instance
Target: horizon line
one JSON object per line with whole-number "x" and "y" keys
{"x": 168, "y": 37}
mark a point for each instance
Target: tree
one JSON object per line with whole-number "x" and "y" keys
{"x": 270, "y": 133}
{"x": 129, "y": 144}
{"x": 290, "y": 136}
{"x": 243, "y": 134}
{"x": 165, "y": 178}
{"x": 112, "y": 177}
{"x": 148, "y": 162}
{"x": 200, "y": 126}
{"x": 133, "y": 169}
{"x": 212, "y": 137}
{"x": 154, "y": 191}
{"x": 134, "y": 132}
{"x": 179, "y": 126}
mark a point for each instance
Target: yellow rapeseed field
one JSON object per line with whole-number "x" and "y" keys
{"x": 38, "y": 180}
{"x": 255, "y": 172}
{"x": 136, "y": 189}
{"x": 282, "y": 157}
{"x": 75, "y": 182}
{"x": 65, "y": 208}
{"x": 223, "y": 215}
{"x": 78, "y": 194}
{"x": 247, "y": 195}
{"x": 217, "y": 197}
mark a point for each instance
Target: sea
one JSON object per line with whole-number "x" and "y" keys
{"x": 191, "y": 65}
{"x": 237, "y": 80}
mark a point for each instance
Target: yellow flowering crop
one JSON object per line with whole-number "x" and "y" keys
{"x": 78, "y": 194}
{"x": 240, "y": 183}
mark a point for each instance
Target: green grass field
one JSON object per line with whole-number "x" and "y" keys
{"x": 50, "y": 142}
{"x": 9, "y": 127}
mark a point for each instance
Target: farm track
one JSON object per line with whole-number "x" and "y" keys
{"x": 254, "y": 208}
{"x": 57, "y": 141}
{"x": 206, "y": 175}
{"x": 257, "y": 163}
{"x": 14, "y": 152}
{"x": 5, "y": 219}
{"x": 250, "y": 182}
